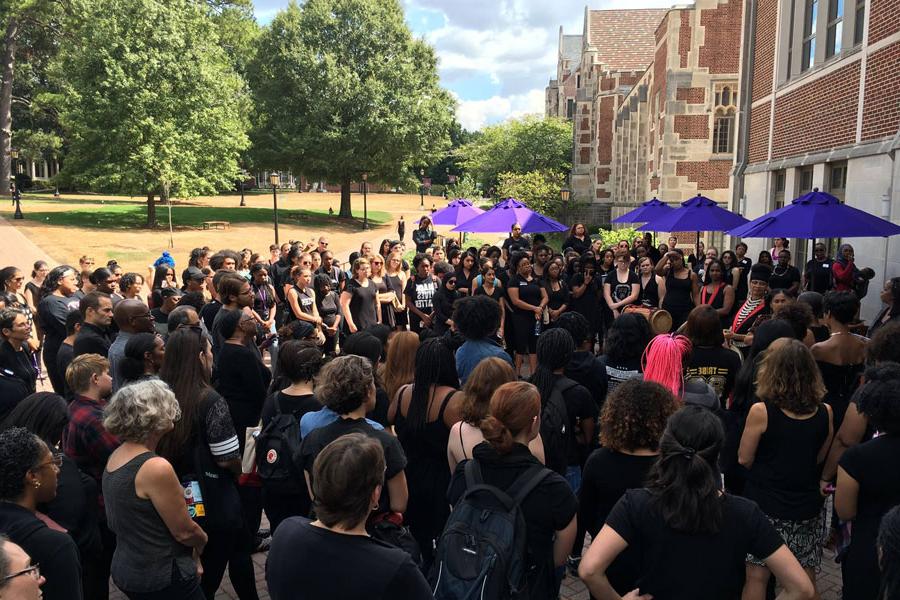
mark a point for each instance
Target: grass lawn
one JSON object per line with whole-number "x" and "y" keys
{"x": 122, "y": 214}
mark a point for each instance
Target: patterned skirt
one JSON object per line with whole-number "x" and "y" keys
{"x": 803, "y": 538}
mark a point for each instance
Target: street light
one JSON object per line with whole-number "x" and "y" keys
{"x": 17, "y": 194}
{"x": 243, "y": 176}
{"x": 421, "y": 189}
{"x": 274, "y": 179}
{"x": 365, "y": 178}
{"x": 564, "y": 196}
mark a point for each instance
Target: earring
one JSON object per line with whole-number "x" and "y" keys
{"x": 37, "y": 484}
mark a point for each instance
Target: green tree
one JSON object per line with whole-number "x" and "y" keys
{"x": 519, "y": 146}
{"x": 341, "y": 87}
{"x": 152, "y": 103}
{"x": 465, "y": 187}
{"x": 538, "y": 189}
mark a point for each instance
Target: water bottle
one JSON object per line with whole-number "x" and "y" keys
{"x": 537, "y": 327}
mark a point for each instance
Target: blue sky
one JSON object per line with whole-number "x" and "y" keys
{"x": 496, "y": 56}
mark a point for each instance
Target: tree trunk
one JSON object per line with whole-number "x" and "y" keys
{"x": 345, "y": 199}
{"x": 6, "y": 84}
{"x": 151, "y": 210}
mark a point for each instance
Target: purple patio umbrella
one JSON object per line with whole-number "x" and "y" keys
{"x": 648, "y": 211}
{"x": 505, "y": 214}
{"x": 817, "y": 215}
{"x": 697, "y": 214}
{"x": 457, "y": 211}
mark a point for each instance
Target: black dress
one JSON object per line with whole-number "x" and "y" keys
{"x": 395, "y": 284}
{"x": 556, "y": 298}
{"x": 523, "y": 321}
{"x": 387, "y": 310}
{"x": 587, "y": 304}
{"x": 678, "y": 298}
{"x": 840, "y": 383}
{"x": 649, "y": 293}
{"x": 363, "y": 303}
{"x": 427, "y": 476}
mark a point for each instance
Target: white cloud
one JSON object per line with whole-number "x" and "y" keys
{"x": 475, "y": 114}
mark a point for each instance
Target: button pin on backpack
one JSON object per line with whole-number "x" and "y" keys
{"x": 271, "y": 456}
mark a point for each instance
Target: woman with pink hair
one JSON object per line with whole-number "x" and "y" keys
{"x": 664, "y": 362}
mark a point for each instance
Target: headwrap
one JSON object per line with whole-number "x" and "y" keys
{"x": 165, "y": 260}
{"x": 760, "y": 272}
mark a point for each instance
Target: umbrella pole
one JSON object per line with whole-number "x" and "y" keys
{"x": 697, "y": 249}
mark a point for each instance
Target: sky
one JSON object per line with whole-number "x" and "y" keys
{"x": 495, "y": 56}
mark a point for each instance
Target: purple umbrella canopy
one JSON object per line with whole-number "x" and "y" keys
{"x": 457, "y": 211}
{"x": 697, "y": 214}
{"x": 648, "y": 211}
{"x": 817, "y": 215}
{"x": 505, "y": 214}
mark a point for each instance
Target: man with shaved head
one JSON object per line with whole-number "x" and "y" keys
{"x": 132, "y": 316}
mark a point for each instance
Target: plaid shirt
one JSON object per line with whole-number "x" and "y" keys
{"x": 85, "y": 440}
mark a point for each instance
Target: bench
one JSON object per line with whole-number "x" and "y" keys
{"x": 216, "y": 224}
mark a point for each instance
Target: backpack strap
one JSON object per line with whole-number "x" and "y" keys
{"x": 475, "y": 483}
{"x": 526, "y": 482}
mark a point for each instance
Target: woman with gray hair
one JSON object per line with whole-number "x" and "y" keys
{"x": 158, "y": 546}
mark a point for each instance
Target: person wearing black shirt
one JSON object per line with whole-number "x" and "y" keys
{"x": 696, "y": 553}
{"x": 622, "y": 287}
{"x": 710, "y": 360}
{"x": 58, "y": 299}
{"x": 347, "y": 387}
{"x": 424, "y": 236}
{"x": 649, "y": 283}
{"x": 337, "y": 276}
{"x": 528, "y": 300}
{"x": 818, "y": 277}
{"x": 631, "y": 423}
{"x": 15, "y": 358}
{"x": 97, "y": 314}
{"x": 549, "y": 511}
{"x": 359, "y": 300}
{"x": 785, "y": 276}
{"x": 516, "y": 242}
{"x": 578, "y": 239}
{"x": 419, "y": 292}
{"x": 333, "y": 556}
{"x": 169, "y": 298}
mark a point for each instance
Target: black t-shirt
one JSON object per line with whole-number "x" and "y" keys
{"x": 607, "y": 475}
{"x": 52, "y": 312}
{"x": 335, "y": 274}
{"x": 317, "y": 564}
{"x": 512, "y": 245}
{"x": 715, "y": 365}
{"x": 546, "y": 510}
{"x": 579, "y": 246}
{"x": 619, "y": 290}
{"x": 288, "y": 403}
{"x": 208, "y": 313}
{"x": 395, "y": 458}
{"x": 529, "y": 292}
{"x": 580, "y": 405}
{"x": 784, "y": 278}
{"x": 363, "y": 303}
{"x": 18, "y": 364}
{"x": 819, "y": 277}
{"x": 421, "y": 292}
{"x": 242, "y": 379}
{"x": 682, "y": 566}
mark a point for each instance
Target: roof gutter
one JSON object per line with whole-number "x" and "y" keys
{"x": 748, "y": 52}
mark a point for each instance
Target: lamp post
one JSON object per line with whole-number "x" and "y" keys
{"x": 274, "y": 178}
{"x": 564, "y": 196}
{"x": 241, "y": 183}
{"x": 365, "y": 180}
{"x": 17, "y": 194}
{"x": 421, "y": 189}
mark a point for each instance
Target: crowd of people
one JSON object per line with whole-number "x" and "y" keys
{"x": 455, "y": 422}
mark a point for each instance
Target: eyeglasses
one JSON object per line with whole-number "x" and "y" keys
{"x": 55, "y": 460}
{"x": 33, "y": 570}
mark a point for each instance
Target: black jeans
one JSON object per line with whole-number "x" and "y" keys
{"x": 279, "y": 507}
{"x": 229, "y": 548}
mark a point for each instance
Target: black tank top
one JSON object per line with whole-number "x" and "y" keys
{"x": 678, "y": 293}
{"x": 784, "y": 478}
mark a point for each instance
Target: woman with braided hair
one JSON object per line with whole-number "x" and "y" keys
{"x": 690, "y": 536}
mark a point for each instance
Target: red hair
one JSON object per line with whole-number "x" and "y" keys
{"x": 663, "y": 361}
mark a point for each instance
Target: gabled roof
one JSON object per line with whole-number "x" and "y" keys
{"x": 570, "y": 49}
{"x": 624, "y": 39}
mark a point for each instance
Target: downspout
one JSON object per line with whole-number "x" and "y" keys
{"x": 748, "y": 50}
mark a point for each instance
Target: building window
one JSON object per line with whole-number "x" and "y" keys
{"x": 805, "y": 175}
{"x": 860, "y": 22}
{"x": 723, "y": 114}
{"x": 837, "y": 180}
{"x": 578, "y": 81}
{"x": 835, "y": 28}
{"x": 570, "y": 108}
{"x": 778, "y": 189}
{"x": 809, "y": 35}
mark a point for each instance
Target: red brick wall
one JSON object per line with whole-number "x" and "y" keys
{"x": 722, "y": 41}
{"x": 662, "y": 28}
{"x": 759, "y": 133}
{"x": 603, "y": 175}
{"x": 819, "y": 115}
{"x": 654, "y": 183}
{"x": 708, "y": 175}
{"x": 584, "y": 156}
{"x": 659, "y": 79}
{"x": 605, "y": 116}
{"x": 764, "y": 59}
{"x": 884, "y": 20}
{"x": 692, "y": 127}
{"x": 585, "y": 138}
{"x": 684, "y": 37}
{"x": 691, "y": 95}
{"x": 881, "y": 112}
{"x": 602, "y": 194}
{"x": 607, "y": 84}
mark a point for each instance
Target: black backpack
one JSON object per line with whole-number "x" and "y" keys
{"x": 482, "y": 552}
{"x": 555, "y": 426}
{"x": 276, "y": 446}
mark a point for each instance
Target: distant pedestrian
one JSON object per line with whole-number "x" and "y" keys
{"x": 401, "y": 228}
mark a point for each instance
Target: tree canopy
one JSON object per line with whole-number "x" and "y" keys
{"x": 520, "y": 146}
{"x": 341, "y": 87}
{"x": 151, "y": 101}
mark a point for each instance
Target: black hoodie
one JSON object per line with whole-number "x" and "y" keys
{"x": 55, "y": 551}
{"x": 590, "y": 371}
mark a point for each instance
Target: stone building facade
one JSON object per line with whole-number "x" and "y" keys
{"x": 824, "y": 112}
{"x": 560, "y": 94}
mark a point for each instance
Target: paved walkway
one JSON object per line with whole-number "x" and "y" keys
{"x": 18, "y": 250}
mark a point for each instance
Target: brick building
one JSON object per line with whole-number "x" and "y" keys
{"x": 560, "y": 100}
{"x": 823, "y": 112}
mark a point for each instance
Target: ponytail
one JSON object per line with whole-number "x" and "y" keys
{"x": 685, "y": 481}
{"x": 496, "y": 434}
{"x": 514, "y": 407}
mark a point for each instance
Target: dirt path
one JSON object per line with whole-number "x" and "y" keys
{"x": 16, "y": 249}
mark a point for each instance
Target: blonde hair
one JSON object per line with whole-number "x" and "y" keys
{"x": 400, "y": 365}
{"x": 82, "y": 368}
{"x": 789, "y": 378}
{"x": 141, "y": 409}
